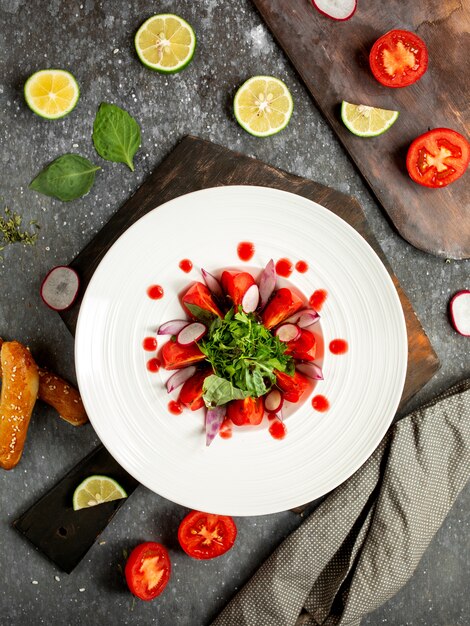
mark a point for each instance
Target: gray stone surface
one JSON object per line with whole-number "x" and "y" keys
{"x": 93, "y": 39}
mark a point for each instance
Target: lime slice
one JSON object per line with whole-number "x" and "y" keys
{"x": 263, "y": 106}
{"x": 366, "y": 121}
{"x": 96, "y": 490}
{"x": 51, "y": 93}
{"x": 165, "y": 43}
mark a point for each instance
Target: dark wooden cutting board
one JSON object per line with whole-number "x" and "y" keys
{"x": 332, "y": 59}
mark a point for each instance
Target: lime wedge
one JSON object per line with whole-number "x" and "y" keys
{"x": 165, "y": 43}
{"x": 366, "y": 121}
{"x": 96, "y": 490}
{"x": 263, "y": 106}
{"x": 51, "y": 93}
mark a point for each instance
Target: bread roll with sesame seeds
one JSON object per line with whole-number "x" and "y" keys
{"x": 19, "y": 392}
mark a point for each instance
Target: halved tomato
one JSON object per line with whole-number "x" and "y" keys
{"x": 174, "y": 355}
{"x": 236, "y": 284}
{"x": 200, "y": 304}
{"x": 303, "y": 348}
{"x": 438, "y": 157}
{"x": 248, "y": 411}
{"x": 283, "y": 304}
{"x": 148, "y": 570}
{"x": 292, "y": 386}
{"x": 205, "y": 536}
{"x": 398, "y": 58}
{"x": 191, "y": 391}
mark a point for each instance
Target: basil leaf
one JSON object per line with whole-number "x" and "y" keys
{"x": 116, "y": 135}
{"x": 67, "y": 178}
{"x": 206, "y": 317}
{"x": 218, "y": 391}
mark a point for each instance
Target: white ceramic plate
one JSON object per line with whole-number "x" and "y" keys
{"x": 251, "y": 473}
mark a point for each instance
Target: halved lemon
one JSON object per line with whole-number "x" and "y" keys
{"x": 165, "y": 43}
{"x": 95, "y": 490}
{"x": 263, "y": 106}
{"x": 51, "y": 93}
{"x": 366, "y": 121}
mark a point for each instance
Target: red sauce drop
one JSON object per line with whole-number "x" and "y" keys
{"x": 301, "y": 266}
{"x": 320, "y": 403}
{"x": 153, "y": 365}
{"x": 339, "y": 346}
{"x": 317, "y": 299}
{"x": 155, "y": 292}
{"x": 272, "y": 416}
{"x": 245, "y": 250}
{"x": 185, "y": 265}
{"x": 149, "y": 344}
{"x": 176, "y": 408}
{"x": 284, "y": 268}
{"x": 226, "y": 429}
{"x": 277, "y": 430}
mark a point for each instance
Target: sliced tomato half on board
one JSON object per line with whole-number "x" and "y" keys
{"x": 148, "y": 570}
{"x": 293, "y": 386}
{"x": 282, "y": 305}
{"x": 200, "y": 304}
{"x": 206, "y": 536}
{"x": 438, "y": 157}
{"x": 236, "y": 284}
{"x": 398, "y": 59}
{"x": 174, "y": 355}
{"x": 246, "y": 412}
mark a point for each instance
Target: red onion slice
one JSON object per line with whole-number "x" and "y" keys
{"x": 304, "y": 318}
{"x": 250, "y": 299}
{"x": 179, "y": 377}
{"x": 214, "y": 419}
{"x": 212, "y": 284}
{"x": 311, "y": 370}
{"x": 273, "y": 401}
{"x": 191, "y": 333}
{"x": 173, "y": 327}
{"x": 267, "y": 283}
{"x": 287, "y": 332}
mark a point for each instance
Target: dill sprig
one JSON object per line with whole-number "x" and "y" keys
{"x": 11, "y": 232}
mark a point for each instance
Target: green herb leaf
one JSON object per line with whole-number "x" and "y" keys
{"x": 202, "y": 315}
{"x": 67, "y": 178}
{"x": 116, "y": 134}
{"x": 10, "y": 231}
{"x": 218, "y": 391}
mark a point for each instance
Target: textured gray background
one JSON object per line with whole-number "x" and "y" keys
{"x": 94, "y": 41}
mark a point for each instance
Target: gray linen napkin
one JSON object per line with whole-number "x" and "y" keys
{"x": 361, "y": 545}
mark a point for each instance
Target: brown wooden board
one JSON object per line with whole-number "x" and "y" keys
{"x": 332, "y": 59}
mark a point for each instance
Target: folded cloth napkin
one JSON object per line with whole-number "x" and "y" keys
{"x": 364, "y": 541}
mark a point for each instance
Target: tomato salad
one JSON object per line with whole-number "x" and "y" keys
{"x": 246, "y": 350}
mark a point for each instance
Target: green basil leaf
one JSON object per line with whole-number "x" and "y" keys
{"x": 201, "y": 315}
{"x": 116, "y": 135}
{"x": 67, "y": 178}
{"x": 218, "y": 391}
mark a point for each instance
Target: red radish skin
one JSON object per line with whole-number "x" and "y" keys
{"x": 191, "y": 333}
{"x": 338, "y": 10}
{"x": 212, "y": 284}
{"x": 173, "y": 327}
{"x": 273, "y": 401}
{"x": 59, "y": 288}
{"x": 267, "y": 283}
{"x": 179, "y": 377}
{"x": 250, "y": 299}
{"x": 459, "y": 308}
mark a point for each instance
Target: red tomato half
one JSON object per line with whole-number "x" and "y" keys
{"x": 198, "y": 301}
{"x": 174, "y": 355}
{"x": 292, "y": 386}
{"x": 438, "y": 157}
{"x": 283, "y": 304}
{"x": 236, "y": 284}
{"x": 191, "y": 391}
{"x": 249, "y": 411}
{"x": 398, "y": 58}
{"x": 148, "y": 570}
{"x": 303, "y": 348}
{"x": 205, "y": 536}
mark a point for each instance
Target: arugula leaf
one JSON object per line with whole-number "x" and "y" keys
{"x": 218, "y": 391}
{"x": 67, "y": 178}
{"x": 116, "y": 135}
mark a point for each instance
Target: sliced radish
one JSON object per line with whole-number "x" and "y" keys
{"x": 287, "y": 332}
{"x": 339, "y": 10}
{"x": 267, "y": 283}
{"x": 191, "y": 333}
{"x": 273, "y": 401}
{"x": 179, "y": 377}
{"x": 172, "y": 327}
{"x": 214, "y": 419}
{"x": 60, "y": 288}
{"x": 304, "y": 318}
{"x": 212, "y": 284}
{"x": 312, "y": 370}
{"x": 250, "y": 299}
{"x": 459, "y": 308}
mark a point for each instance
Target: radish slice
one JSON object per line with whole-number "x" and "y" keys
{"x": 339, "y": 10}
{"x": 460, "y": 312}
{"x": 304, "y": 318}
{"x": 179, "y": 377}
{"x": 60, "y": 288}
{"x": 287, "y": 332}
{"x": 214, "y": 419}
{"x": 212, "y": 284}
{"x": 273, "y": 401}
{"x": 191, "y": 333}
{"x": 311, "y": 370}
{"x": 250, "y": 299}
{"x": 267, "y": 283}
{"x": 173, "y": 327}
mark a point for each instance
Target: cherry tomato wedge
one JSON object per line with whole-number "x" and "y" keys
{"x": 200, "y": 304}
{"x": 236, "y": 284}
{"x": 303, "y": 348}
{"x": 293, "y": 386}
{"x": 282, "y": 305}
{"x": 248, "y": 411}
{"x": 438, "y": 157}
{"x": 148, "y": 570}
{"x": 398, "y": 58}
{"x": 175, "y": 355}
{"x": 191, "y": 391}
{"x": 205, "y": 536}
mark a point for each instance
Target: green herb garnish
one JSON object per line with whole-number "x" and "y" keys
{"x": 67, "y": 178}
{"x": 116, "y": 135}
{"x": 244, "y": 354}
{"x": 10, "y": 231}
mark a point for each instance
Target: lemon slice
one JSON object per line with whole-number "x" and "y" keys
{"x": 165, "y": 43}
{"x": 51, "y": 93}
{"x": 95, "y": 490}
{"x": 263, "y": 106}
{"x": 366, "y": 121}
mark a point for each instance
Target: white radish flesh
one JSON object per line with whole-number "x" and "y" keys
{"x": 267, "y": 283}
{"x": 173, "y": 327}
{"x": 212, "y": 284}
{"x": 311, "y": 370}
{"x": 60, "y": 288}
{"x": 250, "y": 299}
{"x": 214, "y": 419}
{"x": 287, "y": 332}
{"x": 191, "y": 333}
{"x": 179, "y": 377}
{"x": 460, "y": 312}
{"x": 339, "y": 10}
{"x": 273, "y": 401}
